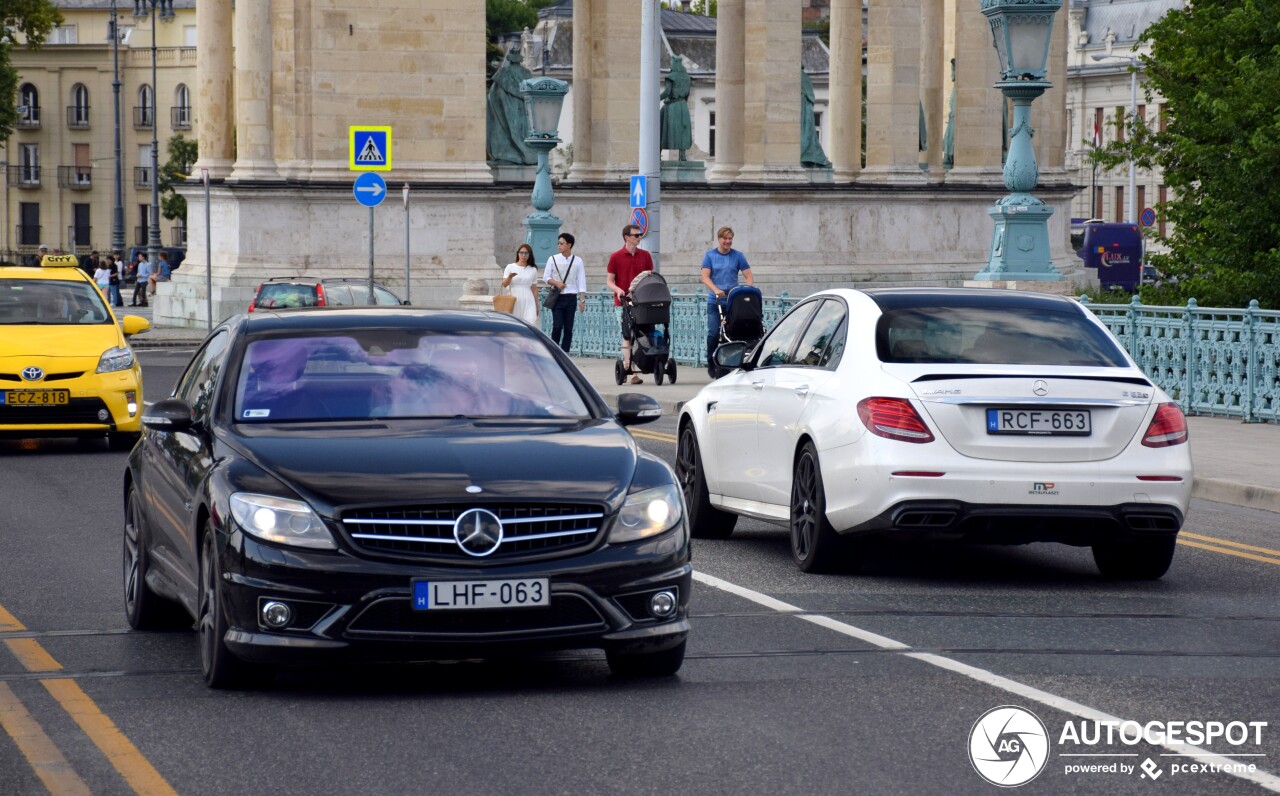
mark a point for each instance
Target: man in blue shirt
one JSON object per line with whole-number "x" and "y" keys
{"x": 720, "y": 268}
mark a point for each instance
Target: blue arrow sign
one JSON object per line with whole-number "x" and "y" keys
{"x": 370, "y": 189}
{"x": 639, "y": 190}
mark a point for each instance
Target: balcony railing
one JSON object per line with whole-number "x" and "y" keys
{"x": 27, "y": 234}
{"x": 78, "y": 117}
{"x": 79, "y": 238}
{"x": 139, "y": 236}
{"x": 24, "y": 176}
{"x": 144, "y": 117}
{"x": 180, "y": 117}
{"x": 142, "y": 176}
{"x": 77, "y": 178}
{"x": 179, "y": 237}
{"x": 28, "y": 117}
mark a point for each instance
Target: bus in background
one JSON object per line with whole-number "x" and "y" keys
{"x": 1116, "y": 251}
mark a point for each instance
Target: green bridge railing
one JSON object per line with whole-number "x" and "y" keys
{"x": 1212, "y": 361}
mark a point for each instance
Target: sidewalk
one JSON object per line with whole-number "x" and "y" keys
{"x": 1234, "y": 461}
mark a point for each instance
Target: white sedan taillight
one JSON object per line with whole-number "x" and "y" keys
{"x": 893, "y": 418}
{"x": 1168, "y": 427}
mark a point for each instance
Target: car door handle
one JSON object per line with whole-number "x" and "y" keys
{"x": 757, "y": 385}
{"x": 802, "y": 390}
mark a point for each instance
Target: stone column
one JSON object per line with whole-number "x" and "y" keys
{"x": 213, "y": 110}
{"x": 935, "y": 82}
{"x": 771, "y": 96}
{"x": 581, "y": 89}
{"x": 978, "y": 136}
{"x": 612, "y": 118}
{"x": 845, "y": 89}
{"x": 893, "y": 91}
{"x": 255, "y": 159}
{"x": 730, "y": 71}
{"x": 1049, "y": 113}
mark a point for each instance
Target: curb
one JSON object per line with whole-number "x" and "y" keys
{"x": 1250, "y": 496}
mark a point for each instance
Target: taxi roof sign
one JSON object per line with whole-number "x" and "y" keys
{"x": 59, "y": 261}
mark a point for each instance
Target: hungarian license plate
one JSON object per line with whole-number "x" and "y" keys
{"x": 35, "y": 397}
{"x": 1041, "y": 422}
{"x": 443, "y": 595}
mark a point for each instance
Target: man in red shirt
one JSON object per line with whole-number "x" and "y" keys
{"x": 624, "y": 265}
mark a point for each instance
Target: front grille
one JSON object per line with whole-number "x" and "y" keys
{"x": 48, "y": 376}
{"x": 79, "y": 411}
{"x": 568, "y": 613}
{"x": 427, "y": 531}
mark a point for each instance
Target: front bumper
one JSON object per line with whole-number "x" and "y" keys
{"x": 360, "y": 609}
{"x": 99, "y": 403}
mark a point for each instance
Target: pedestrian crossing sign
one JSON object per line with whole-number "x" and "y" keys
{"x": 370, "y": 148}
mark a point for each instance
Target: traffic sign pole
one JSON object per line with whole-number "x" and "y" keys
{"x": 406, "y": 242}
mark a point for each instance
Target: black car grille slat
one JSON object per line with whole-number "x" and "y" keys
{"x": 528, "y": 529}
{"x": 79, "y": 410}
{"x": 396, "y": 617}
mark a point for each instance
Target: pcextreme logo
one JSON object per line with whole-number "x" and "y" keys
{"x": 1008, "y": 746}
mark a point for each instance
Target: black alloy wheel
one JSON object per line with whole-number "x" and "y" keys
{"x": 1138, "y": 559}
{"x": 220, "y": 667}
{"x": 646, "y": 664}
{"x": 705, "y": 520}
{"x": 815, "y": 545}
{"x": 143, "y": 608}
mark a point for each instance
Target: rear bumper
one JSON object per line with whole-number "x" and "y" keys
{"x": 954, "y": 520}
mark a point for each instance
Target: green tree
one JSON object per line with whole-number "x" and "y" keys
{"x": 182, "y": 154}
{"x": 1217, "y": 65}
{"x": 31, "y": 20}
{"x": 507, "y": 16}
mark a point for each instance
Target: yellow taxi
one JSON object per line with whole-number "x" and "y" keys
{"x": 66, "y": 368}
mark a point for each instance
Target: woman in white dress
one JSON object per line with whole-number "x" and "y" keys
{"x": 522, "y": 277}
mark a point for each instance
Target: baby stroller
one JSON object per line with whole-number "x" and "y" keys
{"x": 741, "y": 319}
{"x": 646, "y": 311}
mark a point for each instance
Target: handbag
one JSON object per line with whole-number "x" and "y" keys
{"x": 505, "y": 302}
{"x": 553, "y": 293}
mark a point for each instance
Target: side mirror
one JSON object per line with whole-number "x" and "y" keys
{"x": 171, "y": 414}
{"x": 730, "y": 356}
{"x": 635, "y": 408}
{"x": 133, "y": 324}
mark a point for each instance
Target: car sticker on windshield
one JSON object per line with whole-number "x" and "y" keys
{"x": 248, "y": 413}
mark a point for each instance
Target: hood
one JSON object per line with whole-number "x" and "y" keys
{"x": 334, "y": 465}
{"x": 56, "y": 342}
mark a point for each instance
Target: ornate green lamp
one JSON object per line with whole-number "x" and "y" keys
{"x": 543, "y": 97}
{"x": 1022, "y": 30}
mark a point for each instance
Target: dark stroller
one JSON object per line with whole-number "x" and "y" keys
{"x": 741, "y": 319}
{"x": 646, "y": 311}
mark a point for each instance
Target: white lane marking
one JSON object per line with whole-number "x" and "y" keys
{"x": 1262, "y": 778}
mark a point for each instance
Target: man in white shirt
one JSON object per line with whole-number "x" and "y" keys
{"x": 567, "y": 272}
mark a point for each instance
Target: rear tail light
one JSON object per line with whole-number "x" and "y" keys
{"x": 254, "y": 301}
{"x": 893, "y": 418}
{"x": 319, "y": 295}
{"x": 1168, "y": 427}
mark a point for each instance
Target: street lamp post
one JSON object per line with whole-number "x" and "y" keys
{"x": 543, "y": 97}
{"x": 153, "y": 229}
{"x": 117, "y": 209}
{"x": 1132, "y": 60}
{"x": 1021, "y": 30}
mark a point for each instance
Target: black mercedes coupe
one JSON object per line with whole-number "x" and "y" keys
{"x": 400, "y": 484}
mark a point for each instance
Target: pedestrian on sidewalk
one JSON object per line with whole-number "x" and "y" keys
{"x": 115, "y": 275}
{"x": 161, "y": 271}
{"x": 142, "y": 284}
{"x": 624, "y": 265}
{"x": 720, "y": 269}
{"x": 522, "y": 277}
{"x": 567, "y": 272}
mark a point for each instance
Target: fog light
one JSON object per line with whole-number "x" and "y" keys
{"x": 131, "y": 399}
{"x": 276, "y": 614}
{"x": 662, "y": 604}
{"x": 103, "y": 415}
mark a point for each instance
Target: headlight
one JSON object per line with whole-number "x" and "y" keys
{"x": 647, "y": 513}
{"x": 114, "y": 359}
{"x": 274, "y": 519}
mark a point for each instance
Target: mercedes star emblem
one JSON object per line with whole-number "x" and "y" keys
{"x": 1040, "y": 387}
{"x": 478, "y": 532}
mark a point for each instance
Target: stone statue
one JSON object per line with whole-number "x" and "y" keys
{"x": 507, "y": 122}
{"x": 677, "y": 131}
{"x": 949, "y": 135}
{"x": 811, "y": 153}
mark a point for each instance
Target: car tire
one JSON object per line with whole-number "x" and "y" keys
{"x": 143, "y": 608}
{"x": 647, "y": 664}
{"x": 815, "y": 545}
{"x": 122, "y": 440}
{"x": 219, "y": 665}
{"x": 1139, "y": 559}
{"x": 705, "y": 520}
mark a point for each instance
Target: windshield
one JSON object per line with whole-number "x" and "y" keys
{"x": 52, "y": 302}
{"x": 994, "y": 335}
{"x": 402, "y": 373}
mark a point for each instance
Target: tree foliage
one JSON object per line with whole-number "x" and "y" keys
{"x": 30, "y": 20}
{"x": 182, "y": 154}
{"x": 507, "y": 16}
{"x": 1217, "y": 65}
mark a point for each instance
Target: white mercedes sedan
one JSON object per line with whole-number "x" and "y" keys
{"x": 997, "y": 417}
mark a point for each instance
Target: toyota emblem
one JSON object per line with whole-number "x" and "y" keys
{"x": 1040, "y": 387}
{"x": 32, "y": 373}
{"x": 478, "y": 532}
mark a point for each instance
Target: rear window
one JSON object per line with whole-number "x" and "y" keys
{"x": 281, "y": 295}
{"x": 402, "y": 373}
{"x": 991, "y": 335}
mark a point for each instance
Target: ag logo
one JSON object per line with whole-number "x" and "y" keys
{"x": 1008, "y": 746}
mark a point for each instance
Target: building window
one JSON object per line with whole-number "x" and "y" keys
{"x": 142, "y": 173}
{"x": 144, "y": 115}
{"x": 1142, "y": 115}
{"x": 29, "y": 162}
{"x": 28, "y": 106}
{"x": 1099, "y": 124}
{"x": 29, "y": 226}
{"x": 140, "y": 232}
{"x": 78, "y": 113}
{"x": 817, "y": 127}
{"x": 711, "y": 135}
{"x": 1161, "y": 197}
{"x": 1119, "y": 123}
{"x": 1097, "y": 203}
{"x": 181, "y": 111}
{"x": 1120, "y": 203}
{"x": 63, "y": 34}
{"x": 79, "y": 235}
{"x": 1142, "y": 200}
{"x": 189, "y": 36}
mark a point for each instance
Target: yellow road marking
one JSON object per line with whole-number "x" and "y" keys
{"x": 1227, "y": 552}
{"x": 657, "y": 435}
{"x": 9, "y": 622}
{"x": 31, "y": 655}
{"x": 1229, "y": 543}
{"x": 49, "y": 764}
{"x": 119, "y": 750}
